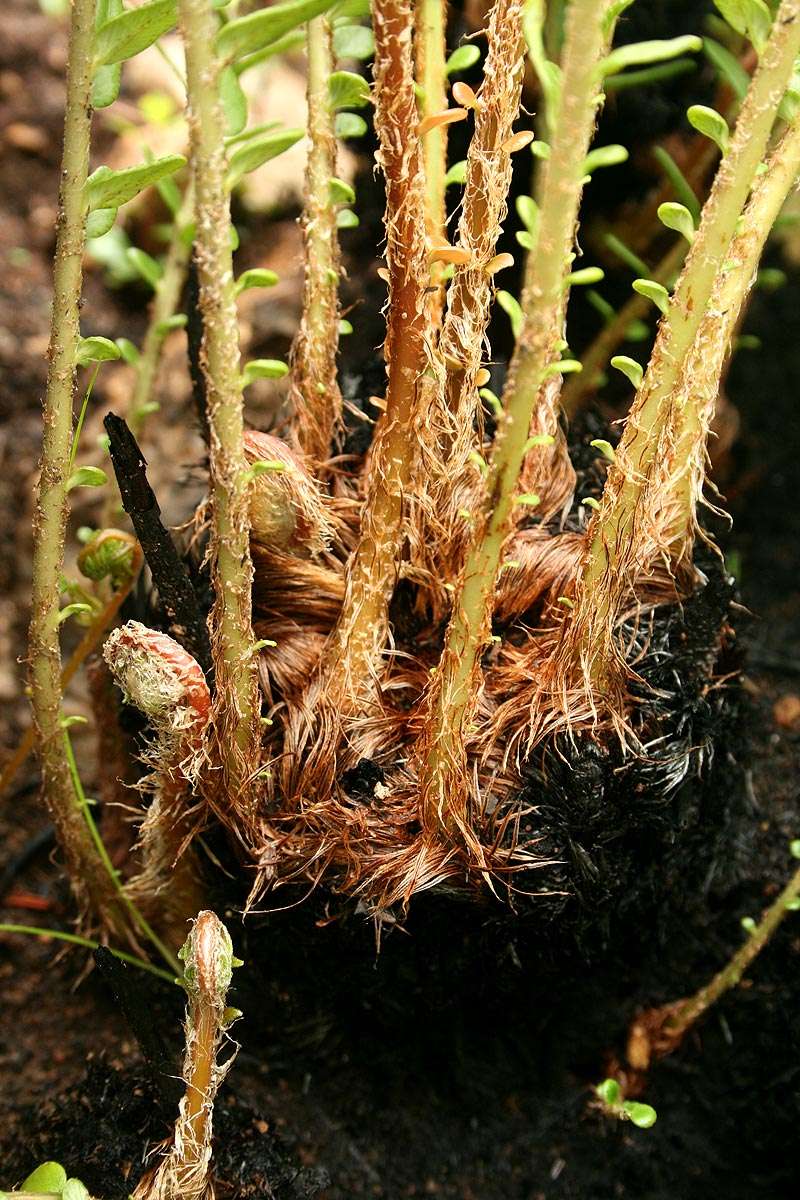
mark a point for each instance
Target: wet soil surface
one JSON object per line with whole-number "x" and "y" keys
{"x": 458, "y": 1061}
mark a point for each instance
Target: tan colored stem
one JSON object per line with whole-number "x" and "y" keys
{"x": 317, "y": 413}
{"x": 236, "y": 722}
{"x": 353, "y": 654}
{"x": 483, "y": 211}
{"x": 430, "y": 55}
{"x": 185, "y": 1173}
{"x": 88, "y": 878}
{"x": 442, "y": 515}
{"x": 696, "y": 1006}
{"x": 455, "y": 688}
{"x": 198, "y": 1084}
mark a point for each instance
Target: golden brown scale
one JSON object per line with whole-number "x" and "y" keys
{"x": 446, "y": 808}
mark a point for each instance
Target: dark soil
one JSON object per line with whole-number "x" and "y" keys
{"x": 458, "y": 1060}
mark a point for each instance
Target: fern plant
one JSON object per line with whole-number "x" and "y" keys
{"x": 439, "y": 606}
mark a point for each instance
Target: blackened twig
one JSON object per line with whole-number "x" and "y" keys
{"x": 194, "y": 339}
{"x": 170, "y": 574}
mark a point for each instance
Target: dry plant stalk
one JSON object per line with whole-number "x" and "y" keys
{"x": 165, "y": 683}
{"x": 315, "y": 394}
{"x": 454, "y": 693}
{"x": 94, "y": 890}
{"x": 185, "y": 1171}
{"x": 657, "y": 1032}
{"x": 621, "y": 537}
{"x": 353, "y": 659}
{"x": 430, "y": 56}
{"x": 235, "y": 726}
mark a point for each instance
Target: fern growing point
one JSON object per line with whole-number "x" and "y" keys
{"x": 523, "y": 605}
{"x": 448, "y": 613}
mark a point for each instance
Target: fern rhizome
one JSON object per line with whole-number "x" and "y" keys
{"x": 416, "y": 650}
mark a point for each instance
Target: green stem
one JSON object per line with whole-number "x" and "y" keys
{"x": 133, "y": 912}
{"x": 317, "y": 400}
{"x": 165, "y": 305}
{"x": 89, "y": 881}
{"x": 455, "y": 687}
{"x": 680, "y": 477}
{"x": 85, "y": 646}
{"x": 81, "y": 418}
{"x": 578, "y": 387}
{"x": 730, "y": 975}
{"x": 236, "y": 708}
{"x": 612, "y": 544}
{"x": 76, "y": 940}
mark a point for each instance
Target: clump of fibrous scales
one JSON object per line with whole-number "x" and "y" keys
{"x": 165, "y": 683}
{"x": 526, "y": 631}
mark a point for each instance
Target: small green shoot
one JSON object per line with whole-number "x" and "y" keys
{"x": 605, "y": 156}
{"x": 462, "y": 59}
{"x": 605, "y": 448}
{"x": 750, "y": 18}
{"x": 584, "y": 276}
{"x": 610, "y": 1097}
{"x": 49, "y": 1179}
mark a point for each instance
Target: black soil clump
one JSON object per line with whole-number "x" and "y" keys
{"x": 621, "y": 824}
{"x": 102, "y": 1129}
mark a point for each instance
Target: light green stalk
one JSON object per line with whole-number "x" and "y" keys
{"x": 236, "y": 721}
{"x": 316, "y": 396}
{"x": 455, "y": 687}
{"x": 687, "y": 1013}
{"x": 165, "y": 305}
{"x": 683, "y": 472}
{"x": 90, "y": 883}
{"x": 596, "y": 359}
{"x": 75, "y": 939}
{"x": 613, "y": 552}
